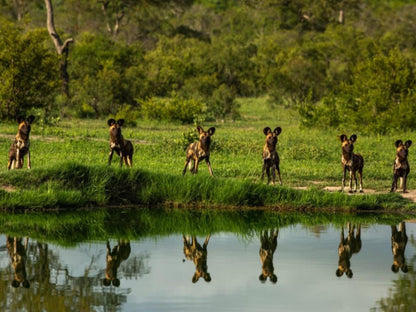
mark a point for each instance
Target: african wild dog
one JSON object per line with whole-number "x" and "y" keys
{"x": 401, "y": 166}
{"x": 20, "y": 146}
{"x": 198, "y": 151}
{"x": 270, "y": 157}
{"x": 198, "y": 254}
{"x": 122, "y": 147}
{"x": 266, "y": 252}
{"x": 115, "y": 256}
{"x": 352, "y": 162}
{"x": 398, "y": 247}
{"x": 347, "y": 247}
{"x": 18, "y": 255}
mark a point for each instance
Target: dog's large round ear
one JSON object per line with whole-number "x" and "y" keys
{"x": 277, "y": 131}
{"x": 30, "y": 119}
{"x": 111, "y": 122}
{"x": 343, "y": 137}
{"x": 408, "y": 143}
{"x": 211, "y": 130}
{"x": 20, "y": 119}
{"x": 120, "y": 122}
{"x": 398, "y": 143}
{"x": 199, "y": 129}
{"x": 267, "y": 130}
{"x": 353, "y": 138}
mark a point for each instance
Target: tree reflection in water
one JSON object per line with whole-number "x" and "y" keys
{"x": 34, "y": 265}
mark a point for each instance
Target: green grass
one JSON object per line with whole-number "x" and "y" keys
{"x": 69, "y": 165}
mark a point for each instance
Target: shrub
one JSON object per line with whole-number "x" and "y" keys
{"x": 172, "y": 109}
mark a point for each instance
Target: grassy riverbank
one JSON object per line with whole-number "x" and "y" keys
{"x": 76, "y": 185}
{"x": 69, "y": 166}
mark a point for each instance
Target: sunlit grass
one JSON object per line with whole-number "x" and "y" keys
{"x": 310, "y": 158}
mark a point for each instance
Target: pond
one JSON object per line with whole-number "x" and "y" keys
{"x": 294, "y": 267}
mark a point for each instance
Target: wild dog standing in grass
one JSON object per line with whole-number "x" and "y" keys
{"x": 347, "y": 247}
{"x": 21, "y": 144}
{"x": 270, "y": 157}
{"x": 200, "y": 150}
{"x": 122, "y": 147}
{"x": 198, "y": 254}
{"x": 398, "y": 247}
{"x": 352, "y": 162}
{"x": 401, "y": 166}
{"x": 267, "y": 249}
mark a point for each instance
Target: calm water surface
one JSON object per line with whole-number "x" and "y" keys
{"x": 165, "y": 274}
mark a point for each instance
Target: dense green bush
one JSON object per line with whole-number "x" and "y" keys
{"x": 172, "y": 109}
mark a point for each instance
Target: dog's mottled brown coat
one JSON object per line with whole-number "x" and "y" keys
{"x": 21, "y": 144}
{"x": 17, "y": 252}
{"x": 401, "y": 166}
{"x": 347, "y": 247}
{"x": 199, "y": 151}
{"x": 266, "y": 252}
{"x": 198, "y": 254}
{"x": 354, "y": 163}
{"x": 115, "y": 256}
{"x": 122, "y": 147}
{"x": 398, "y": 247}
{"x": 270, "y": 157}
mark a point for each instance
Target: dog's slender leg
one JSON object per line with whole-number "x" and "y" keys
{"x": 17, "y": 161}
{"x": 350, "y": 181}
{"x": 10, "y": 163}
{"x": 206, "y": 241}
{"x": 196, "y": 166}
{"x": 263, "y": 169}
{"x": 186, "y": 165}
{"x": 354, "y": 180}
{"x": 268, "y": 173}
{"x": 360, "y": 175}
{"x": 278, "y": 174}
{"x": 209, "y": 167}
{"x": 344, "y": 173}
{"x": 394, "y": 184}
{"x": 274, "y": 174}
{"x": 404, "y": 182}
{"x": 29, "y": 164}
{"x": 110, "y": 156}
{"x": 121, "y": 159}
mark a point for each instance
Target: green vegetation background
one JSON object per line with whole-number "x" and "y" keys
{"x": 183, "y": 60}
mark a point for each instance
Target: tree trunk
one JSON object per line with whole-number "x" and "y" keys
{"x": 61, "y": 48}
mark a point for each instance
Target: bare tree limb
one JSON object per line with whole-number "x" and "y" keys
{"x": 61, "y": 48}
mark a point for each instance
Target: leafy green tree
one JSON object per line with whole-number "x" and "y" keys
{"x": 28, "y": 71}
{"x": 379, "y": 97}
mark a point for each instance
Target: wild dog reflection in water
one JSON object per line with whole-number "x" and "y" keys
{"x": 18, "y": 256}
{"x": 119, "y": 253}
{"x": 398, "y": 246}
{"x": 347, "y": 247}
{"x": 193, "y": 251}
{"x": 267, "y": 249}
